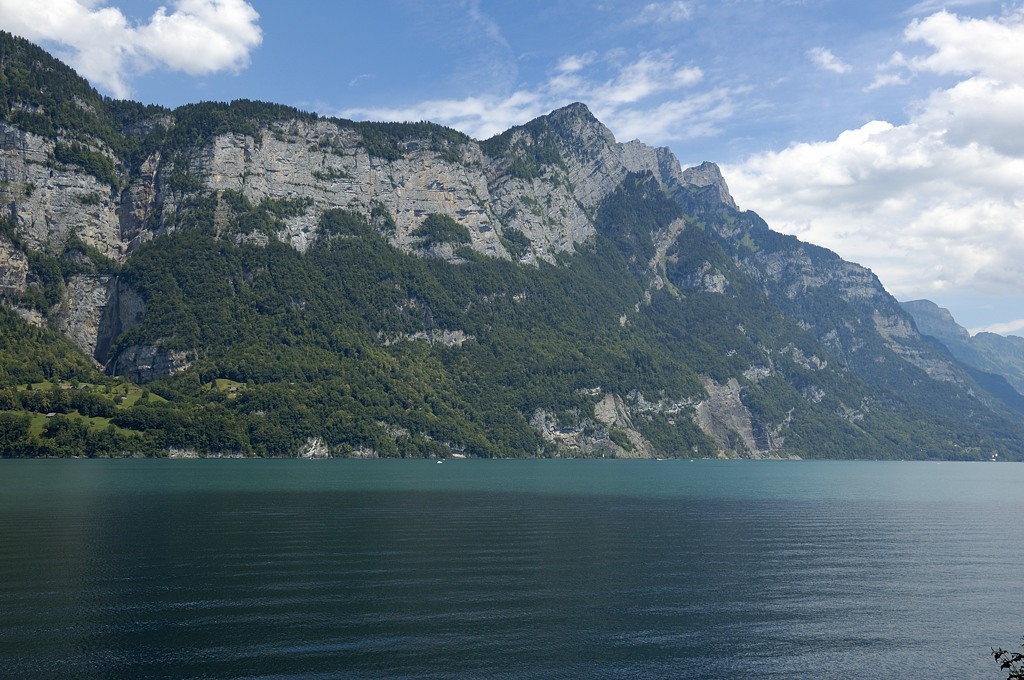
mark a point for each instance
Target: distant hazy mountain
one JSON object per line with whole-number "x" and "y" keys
{"x": 249, "y": 279}
{"x": 998, "y": 354}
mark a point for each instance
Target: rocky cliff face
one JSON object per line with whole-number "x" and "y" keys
{"x": 326, "y": 165}
{"x": 321, "y": 165}
{"x": 989, "y": 352}
{"x": 78, "y": 206}
{"x": 49, "y": 202}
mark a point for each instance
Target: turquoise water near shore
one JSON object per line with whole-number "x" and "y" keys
{"x": 507, "y": 569}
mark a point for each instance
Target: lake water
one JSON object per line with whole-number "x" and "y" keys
{"x": 508, "y": 569}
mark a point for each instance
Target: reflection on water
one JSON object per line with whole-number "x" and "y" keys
{"x": 562, "y": 569}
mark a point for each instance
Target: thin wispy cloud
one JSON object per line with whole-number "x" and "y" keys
{"x": 486, "y": 61}
{"x": 197, "y": 37}
{"x": 478, "y": 116}
{"x": 574, "y": 63}
{"x": 650, "y": 96}
{"x": 824, "y": 59}
{"x": 932, "y": 6}
{"x": 1015, "y": 327}
{"x": 662, "y": 12}
{"x": 652, "y": 73}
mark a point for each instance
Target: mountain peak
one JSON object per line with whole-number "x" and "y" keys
{"x": 709, "y": 174}
{"x": 667, "y": 323}
{"x": 936, "y": 321}
{"x": 577, "y": 110}
{"x": 576, "y": 121}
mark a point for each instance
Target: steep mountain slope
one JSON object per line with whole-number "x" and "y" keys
{"x": 988, "y": 352}
{"x": 284, "y": 283}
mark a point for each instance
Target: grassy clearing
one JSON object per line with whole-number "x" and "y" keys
{"x": 231, "y": 388}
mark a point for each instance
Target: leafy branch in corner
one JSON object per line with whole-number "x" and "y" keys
{"x": 1011, "y": 662}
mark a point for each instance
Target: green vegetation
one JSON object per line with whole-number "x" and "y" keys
{"x": 197, "y": 124}
{"x": 289, "y": 346}
{"x": 373, "y": 348}
{"x": 526, "y": 150}
{"x": 330, "y": 174}
{"x": 1011, "y": 662}
{"x": 441, "y": 229}
{"x": 391, "y": 141}
{"x": 43, "y": 96}
{"x": 515, "y": 242}
{"x": 91, "y": 162}
{"x": 53, "y": 402}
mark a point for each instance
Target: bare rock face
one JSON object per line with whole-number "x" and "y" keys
{"x": 315, "y": 447}
{"x": 708, "y": 174}
{"x": 611, "y": 432}
{"x": 139, "y": 203}
{"x": 725, "y": 419}
{"x": 48, "y": 203}
{"x": 13, "y": 269}
{"x": 145, "y": 363}
{"x": 124, "y": 308}
{"x": 78, "y": 315}
{"x": 325, "y": 163}
{"x": 798, "y": 272}
{"x": 608, "y": 433}
{"x": 612, "y": 412}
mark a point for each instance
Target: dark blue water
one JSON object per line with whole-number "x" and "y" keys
{"x": 508, "y": 569}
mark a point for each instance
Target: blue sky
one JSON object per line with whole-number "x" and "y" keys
{"x": 891, "y": 132}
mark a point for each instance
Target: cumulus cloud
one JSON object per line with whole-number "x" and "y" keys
{"x": 934, "y": 203}
{"x": 649, "y": 96}
{"x": 985, "y": 47}
{"x": 198, "y": 37}
{"x": 824, "y": 59}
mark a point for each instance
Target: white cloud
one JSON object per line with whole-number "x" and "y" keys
{"x": 824, "y": 59}
{"x": 985, "y": 47}
{"x": 930, "y": 6}
{"x": 198, "y": 37}
{"x": 662, "y": 12}
{"x": 890, "y": 73}
{"x": 652, "y": 73}
{"x": 1015, "y": 327}
{"x": 698, "y": 115}
{"x": 933, "y": 204}
{"x": 479, "y": 117}
{"x": 641, "y": 97}
{"x": 575, "y": 63}
{"x": 886, "y": 80}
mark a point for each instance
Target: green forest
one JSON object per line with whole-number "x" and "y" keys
{"x": 391, "y": 352}
{"x": 338, "y": 343}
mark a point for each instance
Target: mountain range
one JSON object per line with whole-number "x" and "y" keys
{"x": 246, "y": 278}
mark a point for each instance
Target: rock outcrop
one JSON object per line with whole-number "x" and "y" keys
{"x": 81, "y": 194}
{"x": 988, "y": 352}
{"x": 49, "y": 202}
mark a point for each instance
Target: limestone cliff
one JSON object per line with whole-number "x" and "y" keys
{"x": 715, "y": 335}
{"x": 989, "y": 352}
{"x": 325, "y": 164}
